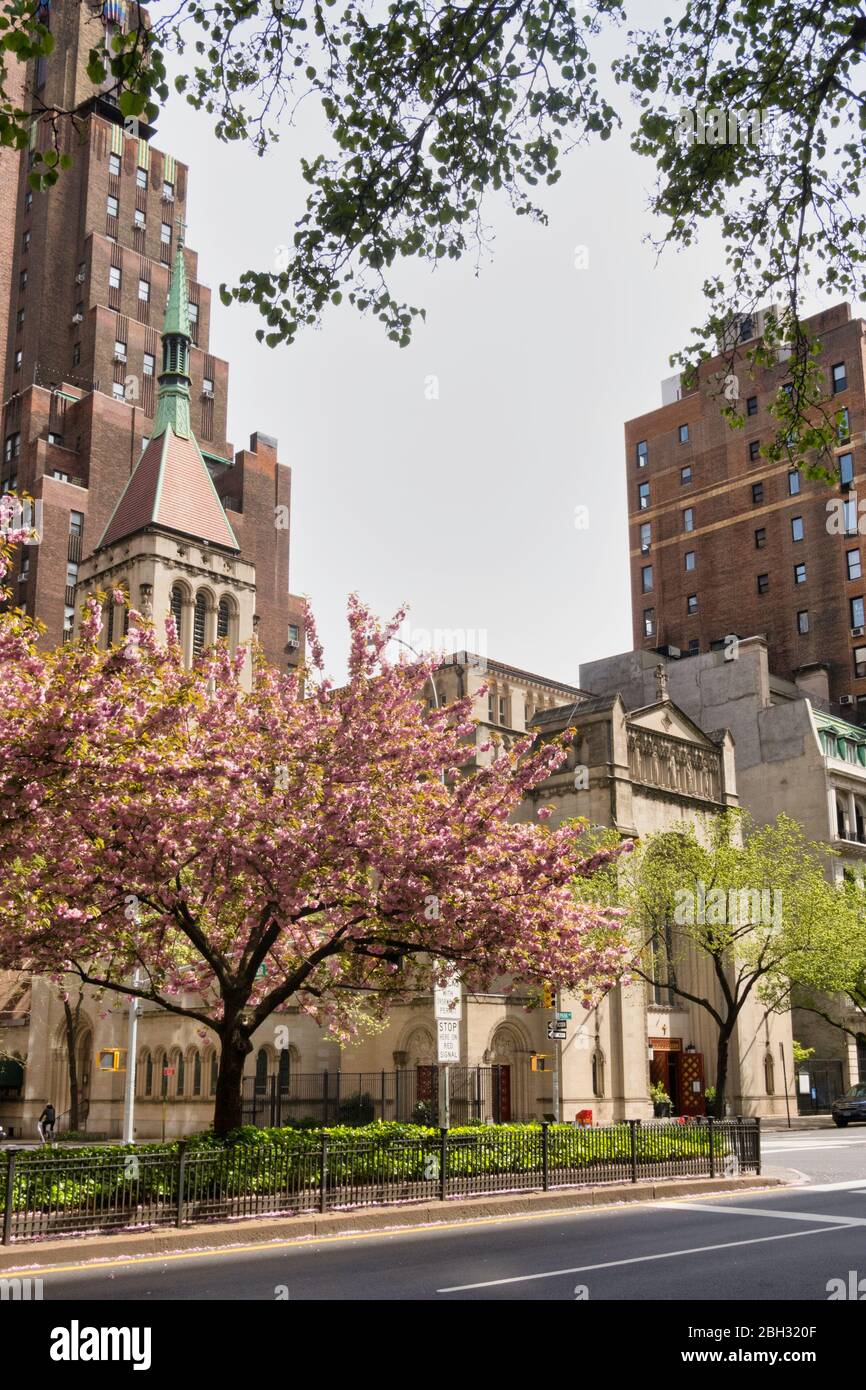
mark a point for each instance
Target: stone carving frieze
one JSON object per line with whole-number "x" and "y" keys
{"x": 673, "y": 765}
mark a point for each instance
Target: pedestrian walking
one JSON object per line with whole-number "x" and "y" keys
{"x": 45, "y": 1124}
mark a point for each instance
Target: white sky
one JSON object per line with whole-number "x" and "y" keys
{"x": 463, "y": 506}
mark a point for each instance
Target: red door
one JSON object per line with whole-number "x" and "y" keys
{"x": 501, "y": 1095}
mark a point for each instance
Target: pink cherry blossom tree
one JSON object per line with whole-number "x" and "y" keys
{"x": 168, "y": 835}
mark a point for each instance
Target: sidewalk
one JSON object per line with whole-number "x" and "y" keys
{"x": 77, "y": 1250}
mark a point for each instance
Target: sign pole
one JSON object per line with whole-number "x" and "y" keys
{"x": 557, "y": 1061}
{"x": 129, "y": 1093}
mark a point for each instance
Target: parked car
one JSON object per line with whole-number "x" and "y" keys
{"x": 851, "y": 1106}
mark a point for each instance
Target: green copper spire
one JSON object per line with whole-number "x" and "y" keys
{"x": 173, "y": 398}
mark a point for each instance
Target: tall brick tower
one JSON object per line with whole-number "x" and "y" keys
{"x": 88, "y": 282}
{"x": 725, "y": 543}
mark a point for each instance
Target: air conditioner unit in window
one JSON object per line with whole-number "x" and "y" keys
{"x": 858, "y": 631}
{"x": 120, "y": 357}
{"x": 81, "y": 277}
{"x": 293, "y": 644}
{"x": 846, "y": 700}
{"x": 208, "y": 395}
{"x": 645, "y": 550}
{"x": 77, "y": 318}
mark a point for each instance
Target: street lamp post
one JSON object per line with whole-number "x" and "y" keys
{"x": 131, "y": 1053}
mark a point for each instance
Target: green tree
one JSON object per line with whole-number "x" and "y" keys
{"x": 430, "y": 108}
{"x": 751, "y": 901}
{"x": 839, "y": 971}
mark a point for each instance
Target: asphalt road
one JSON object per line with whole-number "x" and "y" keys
{"x": 772, "y": 1245}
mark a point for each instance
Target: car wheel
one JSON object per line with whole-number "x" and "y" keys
{"x": 840, "y": 1121}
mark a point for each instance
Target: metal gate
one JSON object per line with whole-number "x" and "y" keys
{"x": 825, "y": 1083}
{"x": 412, "y": 1095}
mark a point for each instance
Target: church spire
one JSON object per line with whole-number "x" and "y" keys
{"x": 173, "y": 397}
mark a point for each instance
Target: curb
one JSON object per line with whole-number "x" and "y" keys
{"x": 29, "y": 1255}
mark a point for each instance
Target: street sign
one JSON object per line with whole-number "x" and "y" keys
{"x": 447, "y": 1040}
{"x": 448, "y": 999}
{"x": 261, "y": 971}
{"x": 563, "y": 1017}
{"x": 557, "y": 1031}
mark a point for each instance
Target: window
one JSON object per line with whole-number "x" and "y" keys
{"x": 793, "y": 482}
{"x": 858, "y": 615}
{"x": 503, "y": 710}
{"x": 145, "y": 440}
{"x": 19, "y": 357}
{"x": 760, "y": 538}
{"x": 196, "y": 1073}
{"x": 754, "y": 450}
{"x": 144, "y": 291}
{"x": 685, "y": 474}
{"x": 112, "y": 207}
{"x": 25, "y": 242}
{"x": 76, "y": 523}
{"x": 117, "y": 391}
{"x": 646, "y": 535}
{"x": 114, "y": 164}
{"x": 120, "y": 349}
{"x": 646, "y": 579}
{"x": 752, "y": 405}
{"x": 28, "y": 200}
{"x": 689, "y": 519}
{"x": 690, "y": 559}
{"x": 207, "y": 386}
{"x": 803, "y": 621}
{"x": 19, "y": 320}
{"x": 139, "y": 219}
{"x": 757, "y": 494}
{"x": 60, "y": 476}
{"x": 641, "y": 454}
{"x": 165, "y": 233}
{"x": 177, "y": 609}
{"x": 140, "y": 177}
{"x": 692, "y": 604}
{"x": 198, "y": 624}
{"x": 643, "y": 496}
{"x": 839, "y": 377}
{"x": 797, "y": 529}
{"x": 224, "y": 616}
{"x": 114, "y": 277}
{"x": 22, "y": 282}
{"x": 649, "y": 622}
{"x": 168, "y": 190}
{"x": 71, "y": 575}
{"x": 54, "y": 438}
{"x": 13, "y": 446}
{"x": 294, "y": 632}
{"x": 763, "y": 583}
{"x": 193, "y": 315}
{"x": 76, "y": 354}
{"x": 849, "y": 510}
{"x": 860, "y": 662}
{"x": 799, "y": 574}
{"x": 843, "y": 428}
{"x": 683, "y": 433}
{"x": 214, "y": 1072}
{"x": 694, "y": 646}
{"x": 846, "y": 469}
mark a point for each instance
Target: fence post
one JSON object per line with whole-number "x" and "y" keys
{"x": 325, "y": 1106}
{"x": 632, "y": 1140}
{"x": 323, "y": 1174}
{"x": 545, "y": 1155}
{"x": 10, "y": 1196}
{"x": 181, "y": 1181}
{"x": 711, "y": 1122}
{"x": 443, "y": 1163}
{"x": 383, "y": 1095}
{"x": 758, "y": 1144}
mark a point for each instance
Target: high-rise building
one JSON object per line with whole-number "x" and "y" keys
{"x": 85, "y": 277}
{"x": 724, "y": 543}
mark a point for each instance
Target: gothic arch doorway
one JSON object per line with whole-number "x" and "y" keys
{"x": 508, "y": 1060}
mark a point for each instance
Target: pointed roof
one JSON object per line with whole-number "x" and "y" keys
{"x": 171, "y": 486}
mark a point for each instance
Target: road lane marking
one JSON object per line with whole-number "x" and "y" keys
{"x": 640, "y": 1259}
{"x": 803, "y": 1148}
{"x": 777, "y": 1215}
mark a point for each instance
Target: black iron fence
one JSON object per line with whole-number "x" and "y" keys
{"x": 412, "y": 1096}
{"x": 50, "y": 1192}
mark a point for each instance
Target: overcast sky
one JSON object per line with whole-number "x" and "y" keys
{"x": 462, "y": 506}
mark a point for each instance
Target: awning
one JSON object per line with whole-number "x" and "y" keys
{"x": 11, "y": 1073}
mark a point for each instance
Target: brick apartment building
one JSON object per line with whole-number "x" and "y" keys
{"x": 722, "y": 542}
{"x": 84, "y": 276}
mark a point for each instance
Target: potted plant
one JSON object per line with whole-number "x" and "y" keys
{"x": 661, "y": 1101}
{"x": 709, "y": 1100}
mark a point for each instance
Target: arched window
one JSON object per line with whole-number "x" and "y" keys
{"x": 770, "y": 1073}
{"x": 148, "y": 1074}
{"x": 224, "y": 614}
{"x": 284, "y": 1070}
{"x": 261, "y": 1071}
{"x": 196, "y": 1073}
{"x": 109, "y": 621}
{"x": 198, "y": 624}
{"x": 177, "y": 609}
{"x": 162, "y": 1072}
{"x": 598, "y": 1073}
{"x": 179, "y": 1074}
{"x": 214, "y": 1072}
